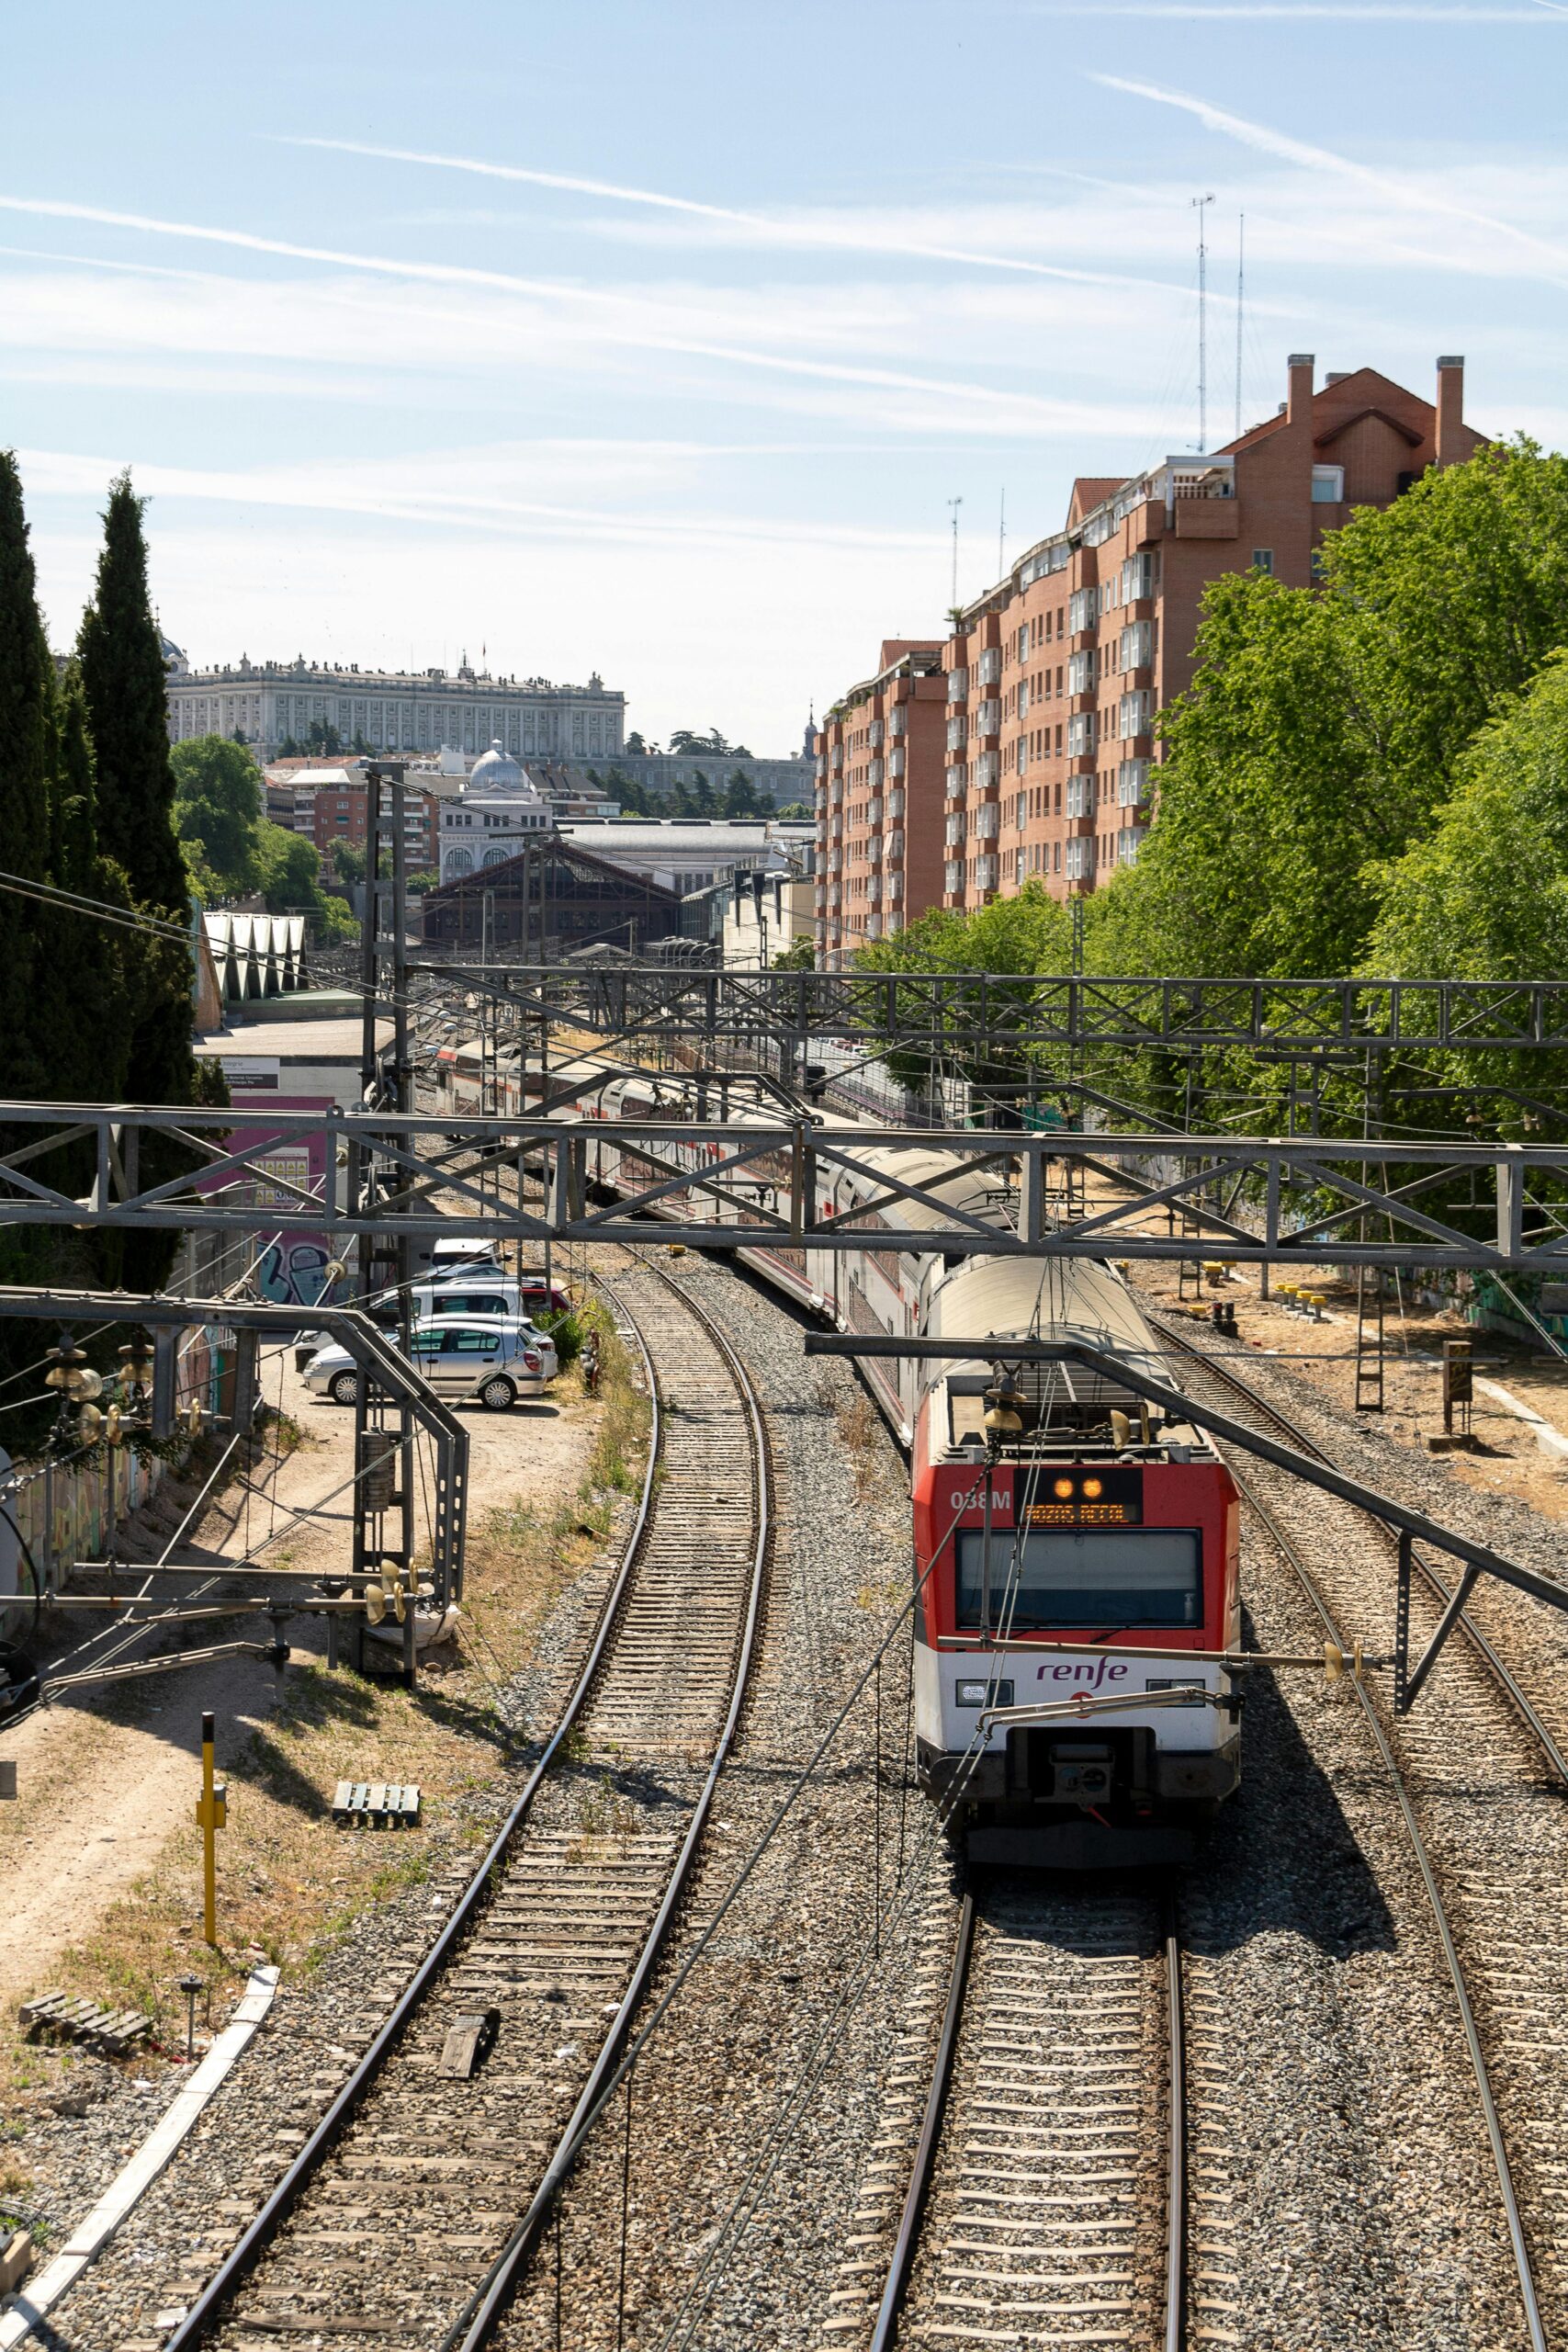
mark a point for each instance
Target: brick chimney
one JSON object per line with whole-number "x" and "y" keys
{"x": 1451, "y": 408}
{"x": 1298, "y": 407}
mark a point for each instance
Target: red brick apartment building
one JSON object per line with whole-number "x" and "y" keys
{"x": 879, "y": 770}
{"x": 1055, "y": 676}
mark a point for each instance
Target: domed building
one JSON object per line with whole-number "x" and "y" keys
{"x": 497, "y": 813}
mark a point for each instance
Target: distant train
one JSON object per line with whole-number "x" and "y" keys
{"x": 1078, "y": 1558}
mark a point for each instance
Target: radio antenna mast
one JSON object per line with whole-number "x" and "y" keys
{"x": 1240, "y": 295}
{"x": 953, "y": 506}
{"x": 1199, "y": 204}
{"x": 1002, "y": 535}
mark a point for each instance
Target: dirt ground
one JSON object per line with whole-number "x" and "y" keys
{"x": 100, "y": 1856}
{"x": 1508, "y": 1456}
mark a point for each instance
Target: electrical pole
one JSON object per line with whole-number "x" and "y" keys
{"x": 1199, "y": 205}
{"x": 1002, "y": 537}
{"x": 953, "y": 506}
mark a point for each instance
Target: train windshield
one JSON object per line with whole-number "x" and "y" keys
{"x": 1088, "y": 1578}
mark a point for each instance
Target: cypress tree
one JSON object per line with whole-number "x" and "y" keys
{"x": 26, "y": 696}
{"x": 123, "y": 687}
{"x": 123, "y": 678}
{"x": 98, "y": 976}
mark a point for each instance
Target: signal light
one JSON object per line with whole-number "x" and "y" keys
{"x": 1063, "y": 1489}
{"x": 1093, "y": 1489}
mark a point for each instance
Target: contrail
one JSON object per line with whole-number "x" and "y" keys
{"x": 1399, "y": 12}
{"x": 759, "y": 223}
{"x": 1297, "y": 150}
{"x": 454, "y": 274}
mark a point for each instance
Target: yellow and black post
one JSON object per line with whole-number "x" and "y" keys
{"x": 211, "y": 1812}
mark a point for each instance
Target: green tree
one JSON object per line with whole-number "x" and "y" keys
{"x": 123, "y": 679}
{"x": 740, "y": 797}
{"x": 1484, "y": 894}
{"x": 800, "y": 955}
{"x": 27, "y": 697}
{"x": 1323, "y": 731}
{"x": 636, "y": 747}
{"x": 348, "y": 861}
{"x": 288, "y": 749}
{"x": 291, "y": 882}
{"x": 1021, "y": 937}
{"x": 218, "y": 806}
{"x": 703, "y": 801}
{"x": 323, "y": 737}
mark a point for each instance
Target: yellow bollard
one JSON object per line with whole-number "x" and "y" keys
{"x": 212, "y": 1813}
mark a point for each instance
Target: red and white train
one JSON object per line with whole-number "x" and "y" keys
{"x": 1076, "y": 1578}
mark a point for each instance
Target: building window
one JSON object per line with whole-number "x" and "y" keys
{"x": 1263, "y": 559}
{"x": 1327, "y": 485}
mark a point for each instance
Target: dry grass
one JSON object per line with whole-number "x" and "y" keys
{"x": 289, "y": 1882}
{"x": 860, "y": 1431}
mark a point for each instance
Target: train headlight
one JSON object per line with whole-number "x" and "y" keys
{"x": 1062, "y": 1489}
{"x": 1093, "y": 1488}
{"x": 983, "y": 1694}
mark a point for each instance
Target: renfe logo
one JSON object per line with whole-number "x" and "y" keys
{"x": 1094, "y": 1671}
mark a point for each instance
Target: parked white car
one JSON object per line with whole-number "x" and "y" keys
{"x": 495, "y": 1358}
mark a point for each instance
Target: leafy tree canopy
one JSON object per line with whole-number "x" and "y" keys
{"x": 1325, "y": 729}
{"x": 218, "y": 808}
{"x": 1484, "y": 894}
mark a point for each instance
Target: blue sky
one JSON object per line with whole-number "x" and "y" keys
{"x": 657, "y": 337}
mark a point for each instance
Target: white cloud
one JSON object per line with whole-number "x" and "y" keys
{"x": 788, "y": 228}
{"x": 1403, "y": 12}
{"x": 1408, "y": 194}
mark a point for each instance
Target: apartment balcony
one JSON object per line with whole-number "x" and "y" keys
{"x": 1083, "y": 671}
{"x": 1082, "y": 794}
{"x": 957, "y": 685}
{"x": 957, "y": 828}
{"x": 894, "y": 804}
{"x": 822, "y": 770}
{"x": 877, "y": 774}
{"x": 835, "y": 861}
{"x": 895, "y": 847}
{"x": 835, "y": 895}
{"x": 1129, "y": 841}
{"x": 957, "y": 734}
{"x": 895, "y": 890}
{"x": 957, "y": 784}
{"x": 1200, "y": 515}
{"x": 988, "y": 718}
{"x": 897, "y": 722}
{"x": 1137, "y": 579}
{"x": 1133, "y": 784}
{"x": 1081, "y": 735}
{"x": 953, "y": 878}
{"x": 985, "y": 771}
{"x": 988, "y": 668}
{"x": 896, "y": 761}
{"x": 875, "y": 734}
{"x": 874, "y": 814}
{"x": 1135, "y": 646}
{"x": 874, "y": 848}
{"x": 985, "y": 873}
{"x": 836, "y": 797}
{"x": 874, "y": 926}
{"x": 874, "y": 889}
{"x": 987, "y": 821}
{"x": 838, "y": 758}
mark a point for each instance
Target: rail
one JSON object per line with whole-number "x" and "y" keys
{"x": 1291, "y": 1553}
{"x": 209, "y": 2305}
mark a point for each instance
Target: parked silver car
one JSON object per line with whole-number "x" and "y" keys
{"x": 493, "y": 1358}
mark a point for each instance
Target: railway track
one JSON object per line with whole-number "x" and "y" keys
{"x": 1047, "y": 2200}
{"x": 397, "y": 2226}
{"x": 1474, "y": 1770}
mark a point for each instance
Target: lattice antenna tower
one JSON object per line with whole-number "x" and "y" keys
{"x": 1200, "y": 205}
{"x": 1240, "y": 299}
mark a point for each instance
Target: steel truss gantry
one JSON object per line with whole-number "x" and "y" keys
{"x": 801, "y": 1182}
{"x": 380, "y": 1365}
{"x": 944, "y": 1012}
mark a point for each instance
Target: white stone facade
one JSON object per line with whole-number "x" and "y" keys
{"x": 415, "y": 713}
{"x": 497, "y": 813}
